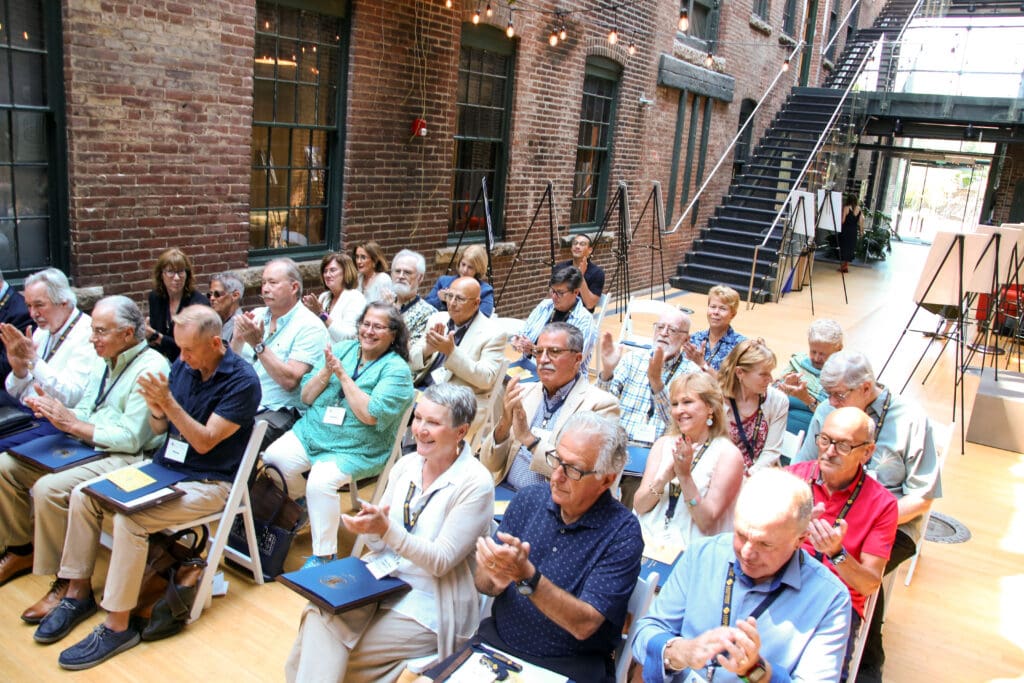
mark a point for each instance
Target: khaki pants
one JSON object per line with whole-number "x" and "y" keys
{"x": 22, "y": 486}
{"x": 365, "y": 645}
{"x": 131, "y": 537}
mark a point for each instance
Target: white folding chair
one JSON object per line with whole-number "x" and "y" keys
{"x": 237, "y": 504}
{"x": 650, "y": 310}
{"x": 943, "y": 435}
{"x": 861, "y": 637}
{"x": 639, "y": 603}
{"x": 599, "y": 312}
{"x": 791, "y": 443}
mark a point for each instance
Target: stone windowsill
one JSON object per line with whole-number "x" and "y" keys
{"x": 787, "y": 40}
{"x": 760, "y": 25}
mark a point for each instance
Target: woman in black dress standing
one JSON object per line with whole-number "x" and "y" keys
{"x": 853, "y": 224}
{"x": 173, "y": 290}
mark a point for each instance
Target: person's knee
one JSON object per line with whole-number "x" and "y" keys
{"x": 324, "y": 480}
{"x": 48, "y": 492}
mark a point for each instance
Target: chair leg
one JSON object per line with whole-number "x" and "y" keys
{"x": 912, "y": 567}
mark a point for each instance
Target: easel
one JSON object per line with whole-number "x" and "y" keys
{"x": 657, "y": 227}
{"x": 547, "y": 198}
{"x": 465, "y": 226}
{"x": 620, "y": 285}
{"x": 828, "y": 219}
{"x": 801, "y": 207}
{"x": 1011, "y": 253}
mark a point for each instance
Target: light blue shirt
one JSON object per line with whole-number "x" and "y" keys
{"x": 301, "y": 336}
{"x": 803, "y": 632}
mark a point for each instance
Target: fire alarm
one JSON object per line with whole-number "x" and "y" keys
{"x": 419, "y": 127}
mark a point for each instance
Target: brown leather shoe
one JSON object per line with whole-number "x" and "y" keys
{"x": 37, "y": 612}
{"x": 12, "y": 566}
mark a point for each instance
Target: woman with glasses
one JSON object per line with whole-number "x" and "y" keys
{"x": 472, "y": 264}
{"x": 756, "y": 411}
{"x": 173, "y": 289}
{"x": 693, "y": 473}
{"x": 341, "y": 303}
{"x": 372, "y": 268}
{"x": 356, "y": 398}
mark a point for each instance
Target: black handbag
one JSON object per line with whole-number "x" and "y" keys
{"x": 174, "y": 569}
{"x": 13, "y": 420}
{"x": 277, "y": 519}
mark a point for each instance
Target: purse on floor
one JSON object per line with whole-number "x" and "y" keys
{"x": 277, "y": 519}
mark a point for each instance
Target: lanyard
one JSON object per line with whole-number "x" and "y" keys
{"x": 675, "y": 490}
{"x": 51, "y": 350}
{"x": 885, "y": 411}
{"x": 6, "y": 296}
{"x": 846, "y": 506}
{"x": 412, "y": 516}
{"x": 356, "y": 372}
{"x": 749, "y": 455}
{"x": 665, "y": 377}
{"x": 101, "y": 397}
{"x": 552, "y": 407}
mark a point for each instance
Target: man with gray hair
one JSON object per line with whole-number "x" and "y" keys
{"x": 407, "y": 269}
{"x": 750, "y": 602}
{"x": 57, "y": 357}
{"x": 905, "y": 462}
{"x": 111, "y": 416}
{"x": 226, "y": 291}
{"x": 13, "y": 311}
{"x": 801, "y": 380}
{"x": 565, "y": 558}
{"x": 283, "y": 341}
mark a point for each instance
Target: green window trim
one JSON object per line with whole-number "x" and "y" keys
{"x": 594, "y": 142}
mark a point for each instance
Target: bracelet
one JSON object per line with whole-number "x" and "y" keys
{"x": 693, "y": 502}
{"x": 324, "y": 316}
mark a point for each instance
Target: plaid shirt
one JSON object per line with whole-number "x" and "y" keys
{"x": 636, "y": 399}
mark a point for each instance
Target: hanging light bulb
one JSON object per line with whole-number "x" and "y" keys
{"x": 553, "y": 38}
{"x": 510, "y": 30}
{"x": 448, "y": 4}
{"x": 563, "y": 34}
{"x": 684, "y": 20}
{"x": 613, "y": 37}
{"x": 785, "y": 65}
{"x": 709, "y": 61}
{"x": 490, "y": 12}
{"x": 476, "y": 16}
{"x": 632, "y": 48}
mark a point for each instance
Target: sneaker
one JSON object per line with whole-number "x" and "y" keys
{"x": 317, "y": 561}
{"x": 98, "y": 646}
{"x": 64, "y": 617}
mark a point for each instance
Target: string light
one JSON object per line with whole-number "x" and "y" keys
{"x": 613, "y": 35}
{"x": 510, "y": 31}
{"x": 553, "y": 38}
{"x": 632, "y": 48}
{"x": 684, "y": 20}
{"x": 563, "y": 34}
{"x": 476, "y": 16}
{"x": 448, "y": 4}
{"x": 489, "y": 11}
{"x": 709, "y": 61}
{"x": 785, "y": 65}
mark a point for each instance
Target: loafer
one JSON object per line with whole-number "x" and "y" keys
{"x": 47, "y": 603}
{"x": 65, "y": 616}
{"x": 12, "y": 566}
{"x": 97, "y": 647}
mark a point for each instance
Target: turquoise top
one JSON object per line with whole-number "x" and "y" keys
{"x": 357, "y": 449}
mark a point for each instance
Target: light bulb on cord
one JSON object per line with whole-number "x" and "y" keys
{"x": 785, "y": 65}
{"x": 510, "y": 31}
{"x": 613, "y": 37}
{"x": 490, "y": 12}
{"x": 476, "y": 16}
{"x": 563, "y": 34}
{"x": 553, "y": 38}
{"x": 684, "y": 20}
{"x": 709, "y": 61}
{"x": 632, "y": 48}
{"x": 448, "y": 4}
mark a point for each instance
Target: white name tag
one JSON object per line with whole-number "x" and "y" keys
{"x": 648, "y": 432}
{"x": 441, "y": 375}
{"x": 694, "y": 677}
{"x": 176, "y": 450}
{"x": 542, "y": 434}
{"x": 335, "y": 415}
{"x": 384, "y": 564}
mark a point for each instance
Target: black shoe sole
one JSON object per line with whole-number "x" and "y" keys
{"x": 32, "y": 620}
{"x": 46, "y": 640}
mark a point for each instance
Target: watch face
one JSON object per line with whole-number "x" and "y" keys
{"x": 524, "y": 588}
{"x": 757, "y": 675}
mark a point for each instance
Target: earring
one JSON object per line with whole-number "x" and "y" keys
{"x": 710, "y": 420}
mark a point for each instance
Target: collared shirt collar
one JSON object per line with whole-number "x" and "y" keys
{"x": 593, "y": 518}
{"x": 847, "y": 490}
{"x": 409, "y": 304}
{"x": 450, "y": 477}
{"x": 562, "y": 391}
{"x": 126, "y": 356}
{"x": 875, "y": 407}
{"x": 789, "y": 574}
{"x": 224, "y": 367}
{"x": 67, "y": 323}
{"x": 281, "y": 322}
{"x": 4, "y": 288}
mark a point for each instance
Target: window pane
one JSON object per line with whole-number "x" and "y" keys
{"x": 30, "y": 191}
{"x": 5, "y": 78}
{"x": 8, "y": 252}
{"x": 29, "y": 136}
{"x": 26, "y": 17}
{"x": 6, "y": 194}
{"x": 33, "y": 244}
{"x": 593, "y": 149}
{"x": 5, "y": 136}
{"x": 30, "y": 79}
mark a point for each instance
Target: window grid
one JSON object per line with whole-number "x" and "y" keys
{"x": 761, "y": 9}
{"x": 593, "y": 150}
{"x": 789, "y": 18}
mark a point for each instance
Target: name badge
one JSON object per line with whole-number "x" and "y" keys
{"x": 441, "y": 375}
{"x": 694, "y": 677}
{"x": 647, "y": 432}
{"x": 176, "y": 450}
{"x": 384, "y": 564}
{"x": 542, "y": 434}
{"x": 335, "y": 415}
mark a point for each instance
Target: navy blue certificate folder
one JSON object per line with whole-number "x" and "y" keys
{"x": 342, "y": 585}
{"x": 55, "y": 453}
{"x": 147, "y": 496}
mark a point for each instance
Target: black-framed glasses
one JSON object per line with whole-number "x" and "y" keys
{"x": 559, "y": 293}
{"x": 216, "y": 294}
{"x": 571, "y": 471}
{"x": 842, "y": 447}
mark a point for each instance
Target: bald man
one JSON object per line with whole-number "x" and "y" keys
{"x": 461, "y": 346}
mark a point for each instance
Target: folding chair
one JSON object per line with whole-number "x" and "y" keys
{"x": 238, "y": 503}
{"x": 861, "y": 637}
{"x": 791, "y": 444}
{"x": 944, "y": 435}
{"x": 651, "y": 310}
{"x": 599, "y": 312}
{"x": 639, "y": 603}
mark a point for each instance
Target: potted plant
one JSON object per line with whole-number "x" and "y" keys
{"x": 875, "y": 242}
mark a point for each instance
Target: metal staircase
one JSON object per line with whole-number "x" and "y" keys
{"x": 742, "y": 224}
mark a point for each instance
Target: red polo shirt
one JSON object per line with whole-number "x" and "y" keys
{"x": 871, "y": 520}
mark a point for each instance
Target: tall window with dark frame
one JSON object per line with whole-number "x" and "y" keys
{"x": 702, "y": 16}
{"x": 761, "y": 9}
{"x": 295, "y": 132}
{"x": 741, "y": 152}
{"x": 833, "y": 28}
{"x": 33, "y": 185}
{"x": 789, "y": 18}
{"x": 483, "y": 105}
{"x": 594, "y": 142}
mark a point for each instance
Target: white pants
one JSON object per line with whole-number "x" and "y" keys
{"x": 320, "y": 489}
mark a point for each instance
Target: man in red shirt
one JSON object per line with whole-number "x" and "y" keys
{"x": 855, "y": 532}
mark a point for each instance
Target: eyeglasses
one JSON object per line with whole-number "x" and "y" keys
{"x": 170, "y": 272}
{"x": 662, "y": 327}
{"x": 554, "y": 352}
{"x": 838, "y": 396}
{"x": 216, "y": 294}
{"x": 376, "y": 327}
{"x": 559, "y": 293}
{"x": 103, "y": 331}
{"x": 456, "y": 299}
{"x": 404, "y": 272}
{"x": 842, "y": 447}
{"x": 571, "y": 471}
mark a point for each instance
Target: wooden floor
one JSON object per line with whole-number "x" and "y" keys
{"x": 960, "y": 619}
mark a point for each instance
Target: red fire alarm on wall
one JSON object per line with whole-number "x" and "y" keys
{"x": 419, "y": 127}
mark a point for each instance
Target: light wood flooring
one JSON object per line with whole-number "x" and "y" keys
{"x": 962, "y": 618}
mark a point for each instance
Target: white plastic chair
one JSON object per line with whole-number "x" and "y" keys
{"x": 943, "y": 435}
{"x": 599, "y": 312}
{"x": 791, "y": 443}
{"x": 861, "y": 637}
{"x": 238, "y": 503}
{"x": 651, "y": 309}
{"x": 639, "y": 603}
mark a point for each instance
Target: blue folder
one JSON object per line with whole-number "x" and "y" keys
{"x": 55, "y": 453}
{"x": 111, "y": 493}
{"x": 637, "y": 460}
{"x": 502, "y": 493}
{"x": 648, "y": 565}
{"x": 342, "y": 585}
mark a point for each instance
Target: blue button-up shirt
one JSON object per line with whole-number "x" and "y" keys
{"x": 714, "y": 355}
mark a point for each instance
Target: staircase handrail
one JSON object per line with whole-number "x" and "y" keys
{"x": 732, "y": 143}
{"x": 803, "y": 172}
{"x": 825, "y": 48}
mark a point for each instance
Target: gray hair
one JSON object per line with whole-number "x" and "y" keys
{"x": 459, "y": 400}
{"x": 825, "y": 331}
{"x": 773, "y": 494}
{"x": 203, "y": 318}
{"x": 126, "y": 314}
{"x": 612, "y": 456}
{"x": 232, "y": 283}
{"x": 58, "y": 289}
{"x": 574, "y": 338}
{"x": 421, "y": 263}
{"x": 846, "y": 367}
{"x": 291, "y": 270}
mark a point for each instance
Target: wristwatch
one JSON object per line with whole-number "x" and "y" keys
{"x": 259, "y": 348}
{"x": 528, "y": 586}
{"x": 839, "y": 557}
{"x": 756, "y": 675}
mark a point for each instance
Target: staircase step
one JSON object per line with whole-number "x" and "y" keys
{"x": 703, "y": 286}
{"x": 727, "y": 262}
{"x": 744, "y": 251}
